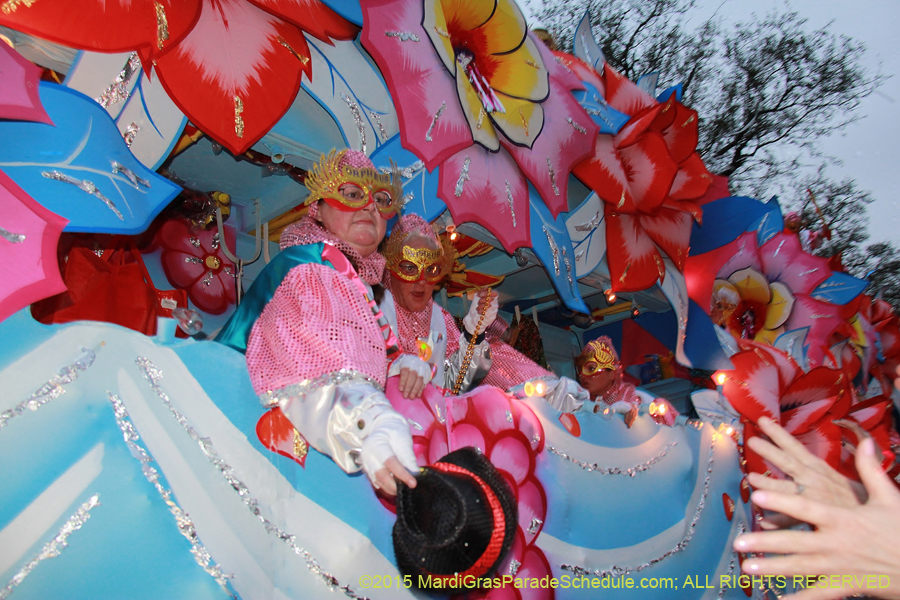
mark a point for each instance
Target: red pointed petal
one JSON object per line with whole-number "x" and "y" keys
{"x": 623, "y": 95}
{"x": 605, "y": 174}
{"x": 671, "y": 231}
{"x": 681, "y": 134}
{"x": 754, "y": 386}
{"x": 637, "y": 126}
{"x": 636, "y": 264}
{"x": 312, "y": 16}
{"x": 692, "y": 180}
{"x": 234, "y": 75}
{"x": 808, "y": 399}
{"x": 650, "y": 171}
{"x": 110, "y": 26}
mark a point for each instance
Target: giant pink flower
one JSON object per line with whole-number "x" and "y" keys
{"x": 482, "y": 98}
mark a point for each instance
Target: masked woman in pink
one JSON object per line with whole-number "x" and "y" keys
{"x": 317, "y": 345}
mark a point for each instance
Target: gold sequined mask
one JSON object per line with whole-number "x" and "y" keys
{"x": 601, "y": 357}
{"x": 350, "y": 188}
{"x": 416, "y": 264}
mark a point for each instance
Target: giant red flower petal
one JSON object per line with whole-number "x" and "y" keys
{"x": 754, "y": 386}
{"x": 671, "y": 231}
{"x": 809, "y": 398}
{"x": 312, "y": 16}
{"x": 636, "y": 264}
{"x": 824, "y": 441}
{"x": 681, "y": 132}
{"x": 691, "y": 181}
{"x": 623, "y": 94}
{"x": 237, "y": 72}
{"x": 110, "y": 26}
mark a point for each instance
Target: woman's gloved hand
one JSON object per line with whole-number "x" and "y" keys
{"x": 387, "y": 452}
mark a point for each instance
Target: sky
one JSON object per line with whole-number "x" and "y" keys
{"x": 869, "y": 149}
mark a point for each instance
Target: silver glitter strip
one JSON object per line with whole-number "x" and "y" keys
{"x": 509, "y": 200}
{"x": 182, "y": 520}
{"x": 208, "y": 279}
{"x": 130, "y": 133}
{"x": 434, "y": 121}
{"x": 568, "y": 268}
{"x": 554, "y": 249}
{"x": 577, "y": 127}
{"x": 54, "y": 547}
{"x": 617, "y": 571}
{"x": 193, "y": 260}
{"x": 552, "y": 177}
{"x": 377, "y": 119}
{"x": 194, "y": 241}
{"x": 630, "y": 471}
{"x": 535, "y": 525}
{"x": 407, "y": 172}
{"x": 13, "y": 238}
{"x": 153, "y": 376}
{"x": 723, "y": 589}
{"x": 134, "y": 179}
{"x": 778, "y": 249}
{"x": 85, "y": 186}
{"x": 463, "y": 178}
{"x": 53, "y": 389}
{"x": 589, "y": 225}
{"x": 357, "y": 118}
{"x": 599, "y": 113}
{"x": 810, "y": 272}
{"x": 272, "y": 398}
{"x": 514, "y": 567}
{"x": 214, "y": 244}
{"x": 403, "y": 36}
{"x": 118, "y": 89}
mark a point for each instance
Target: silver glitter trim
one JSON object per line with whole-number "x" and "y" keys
{"x": 85, "y": 186}
{"x": 403, "y": 36}
{"x": 193, "y": 260}
{"x": 357, "y": 118}
{"x": 439, "y": 414}
{"x": 630, "y": 471}
{"x": 589, "y": 225}
{"x": 554, "y": 249}
{"x": 54, "y": 547}
{"x": 509, "y": 416}
{"x": 577, "y": 127}
{"x": 13, "y": 238}
{"x": 214, "y": 244}
{"x": 778, "y": 249}
{"x": 118, "y": 89}
{"x": 415, "y": 425}
{"x": 406, "y": 172}
{"x": 731, "y": 564}
{"x": 617, "y": 571}
{"x": 182, "y": 520}
{"x": 599, "y": 113}
{"x": 535, "y": 525}
{"x": 568, "y": 268}
{"x": 208, "y": 279}
{"x": 552, "y": 177}
{"x": 536, "y": 439}
{"x": 228, "y": 271}
{"x": 134, "y": 179}
{"x": 153, "y": 375}
{"x": 514, "y": 567}
{"x": 53, "y": 389}
{"x": 377, "y": 119}
{"x": 509, "y": 200}
{"x": 130, "y": 133}
{"x": 195, "y": 242}
{"x": 273, "y": 397}
{"x": 463, "y": 178}
{"x": 434, "y": 121}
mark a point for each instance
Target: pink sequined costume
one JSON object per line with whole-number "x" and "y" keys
{"x": 318, "y": 353}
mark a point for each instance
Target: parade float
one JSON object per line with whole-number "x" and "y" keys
{"x": 152, "y": 153}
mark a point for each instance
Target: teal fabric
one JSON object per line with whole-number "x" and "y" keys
{"x": 236, "y": 331}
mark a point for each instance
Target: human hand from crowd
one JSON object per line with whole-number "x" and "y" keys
{"x": 851, "y": 541}
{"x": 414, "y": 374}
{"x": 809, "y": 474}
{"x": 486, "y": 299}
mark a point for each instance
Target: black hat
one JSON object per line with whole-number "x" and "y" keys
{"x": 460, "y": 519}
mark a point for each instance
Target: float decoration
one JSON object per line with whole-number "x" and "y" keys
{"x": 193, "y": 260}
{"x": 20, "y": 99}
{"x": 81, "y": 168}
{"x": 249, "y": 56}
{"x": 472, "y": 76}
{"x": 29, "y": 234}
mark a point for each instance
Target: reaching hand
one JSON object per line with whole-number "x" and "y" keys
{"x": 809, "y": 473}
{"x": 851, "y": 540}
{"x": 387, "y": 453}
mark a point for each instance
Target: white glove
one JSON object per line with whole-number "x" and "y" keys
{"x": 413, "y": 363}
{"x": 388, "y": 436}
{"x": 474, "y": 314}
